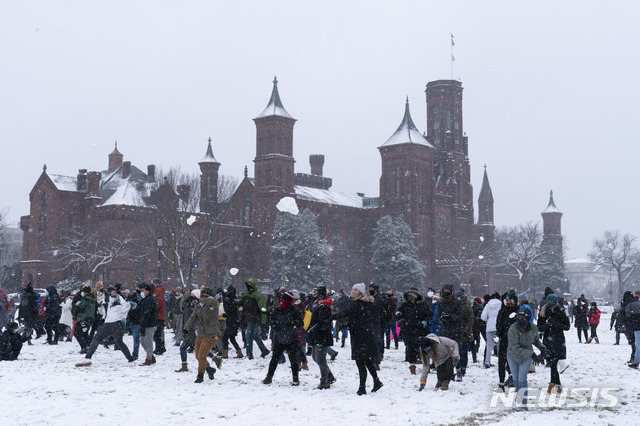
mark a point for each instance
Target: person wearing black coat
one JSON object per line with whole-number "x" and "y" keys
{"x": 506, "y": 318}
{"x": 364, "y": 343}
{"x": 390, "y": 328}
{"x": 320, "y": 336}
{"x": 230, "y": 304}
{"x": 53, "y": 311}
{"x": 632, "y": 326}
{"x": 553, "y": 322}
{"x": 28, "y": 310}
{"x": 380, "y": 306}
{"x": 133, "y": 320}
{"x": 581, "y": 324}
{"x": 617, "y": 321}
{"x": 479, "y": 327}
{"x": 413, "y": 317}
{"x": 11, "y": 342}
{"x": 285, "y": 320}
{"x": 450, "y": 314}
{"x": 148, "y": 321}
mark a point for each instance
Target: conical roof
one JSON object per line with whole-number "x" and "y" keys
{"x": 486, "y": 188}
{"x": 551, "y": 208}
{"x": 115, "y": 150}
{"x": 407, "y": 132}
{"x": 208, "y": 157}
{"x": 275, "y": 107}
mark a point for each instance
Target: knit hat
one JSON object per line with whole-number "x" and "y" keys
{"x": 208, "y": 291}
{"x": 525, "y": 312}
{"x": 553, "y": 298}
{"x": 477, "y": 300}
{"x": 196, "y": 293}
{"x": 523, "y": 296}
{"x": 361, "y": 288}
{"x": 511, "y": 295}
{"x": 448, "y": 287}
{"x": 459, "y": 293}
{"x": 287, "y": 296}
{"x": 548, "y": 291}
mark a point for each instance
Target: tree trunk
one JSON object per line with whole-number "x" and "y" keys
{"x": 620, "y": 285}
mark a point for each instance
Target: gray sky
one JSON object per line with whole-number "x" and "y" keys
{"x": 550, "y": 90}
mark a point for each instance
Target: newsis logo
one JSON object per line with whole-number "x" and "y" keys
{"x": 567, "y": 398}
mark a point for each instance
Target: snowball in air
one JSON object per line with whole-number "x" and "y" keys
{"x": 288, "y": 205}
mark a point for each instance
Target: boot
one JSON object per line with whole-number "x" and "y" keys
{"x": 590, "y": 339}
{"x": 445, "y": 385}
{"x": 304, "y": 366}
{"x": 267, "y": 380}
{"x": 295, "y": 382}
{"x": 502, "y": 387}
{"x": 412, "y": 368}
{"x": 558, "y": 389}
{"x": 239, "y": 353}
{"x": 439, "y": 384}
{"x": 309, "y": 350}
{"x": 335, "y": 354}
{"x": 597, "y": 340}
{"x": 199, "y": 378}
{"x": 183, "y": 368}
{"x": 331, "y": 378}
{"x": 265, "y": 353}
{"x": 377, "y": 367}
{"x": 148, "y": 362}
{"x": 153, "y": 359}
{"x": 211, "y": 371}
{"x": 509, "y": 382}
{"x": 225, "y": 353}
{"x": 218, "y": 362}
{"x": 362, "y": 390}
{"x": 550, "y": 388}
{"x": 324, "y": 385}
{"x": 464, "y": 371}
{"x": 377, "y": 384}
{"x": 459, "y": 375}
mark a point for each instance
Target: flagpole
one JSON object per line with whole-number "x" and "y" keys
{"x": 451, "y": 56}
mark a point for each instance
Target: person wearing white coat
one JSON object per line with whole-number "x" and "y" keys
{"x": 490, "y": 316}
{"x": 66, "y": 319}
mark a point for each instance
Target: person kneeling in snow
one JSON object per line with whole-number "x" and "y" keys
{"x": 443, "y": 353}
{"x": 11, "y": 342}
{"x": 113, "y": 326}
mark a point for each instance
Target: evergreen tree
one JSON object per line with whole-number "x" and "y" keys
{"x": 395, "y": 257}
{"x": 298, "y": 254}
{"x": 549, "y": 273}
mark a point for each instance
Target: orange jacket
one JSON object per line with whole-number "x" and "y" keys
{"x": 158, "y": 294}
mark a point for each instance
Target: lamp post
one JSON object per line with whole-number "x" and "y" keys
{"x": 393, "y": 263}
{"x": 159, "y": 262}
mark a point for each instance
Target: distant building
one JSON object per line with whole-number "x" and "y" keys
{"x": 425, "y": 178}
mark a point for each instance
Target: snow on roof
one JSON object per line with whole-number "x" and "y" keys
{"x": 407, "y": 132}
{"x": 578, "y": 260}
{"x": 64, "y": 183}
{"x": 208, "y": 157}
{"x": 328, "y": 196}
{"x": 551, "y": 208}
{"x": 275, "y": 107}
{"x": 127, "y": 194}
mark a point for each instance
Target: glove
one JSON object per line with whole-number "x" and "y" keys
{"x": 496, "y": 339}
{"x": 421, "y": 386}
{"x": 425, "y": 324}
{"x": 143, "y": 331}
{"x": 185, "y": 333}
{"x": 455, "y": 360}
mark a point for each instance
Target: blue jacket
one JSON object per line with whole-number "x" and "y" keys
{"x": 149, "y": 312}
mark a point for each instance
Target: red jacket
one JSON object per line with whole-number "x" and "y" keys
{"x": 594, "y": 316}
{"x": 158, "y": 294}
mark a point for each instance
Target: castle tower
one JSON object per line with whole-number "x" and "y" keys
{"x": 115, "y": 160}
{"x": 552, "y": 225}
{"x": 209, "y": 167}
{"x": 274, "y": 162}
{"x": 485, "y": 202}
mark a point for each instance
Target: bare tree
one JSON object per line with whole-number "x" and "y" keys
{"x": 463, "y": 257}
{"x": 521, "y": 249}
{"x": 94, "y": 251}
{"x": 618, "y": 252}
{"x": 184, "y": 232}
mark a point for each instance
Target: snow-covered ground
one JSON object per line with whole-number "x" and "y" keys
{"x": 44, "y": 387}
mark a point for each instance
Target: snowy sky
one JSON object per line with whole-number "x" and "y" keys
{"x": 550, "y": 89}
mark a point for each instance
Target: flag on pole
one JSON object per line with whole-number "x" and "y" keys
{"x": 453, "y": 58}
{"x": 453, "y": 43}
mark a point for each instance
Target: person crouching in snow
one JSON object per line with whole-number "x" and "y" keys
{"x": 286, "y": 320}
{"x": 204, "y": 320}
{"x": 113, "y": 327}
{"x": 441, "y": 352}
{"x": 11, "y": 342}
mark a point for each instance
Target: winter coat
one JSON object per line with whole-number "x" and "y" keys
{"x": 490, "y": 314}
{"x": 188, "y": 304}
{"x": 434, "y": 325}
{"x": 5, "y": 308}
{"x": 450, "y": 319}
{"x": 393, "y": 307}
{"x": 28, "y": 310}
{"x": 254, "y": 305}
{"x": 553, "y": 322}
{"x": 286, "y": 324}
{"x": 10, "y": 345}
{"x": 594, "y": 316}
{"x": 205, "y": 318}
{"x": 617, "y": 321}
{"x": 148, "y": 312}
{"x": 632, "y": 313}
{"x": 231, "y": 309}
{"x": 135, "y": 301}
{"x": 85, "y": 309}
{"x": 364, "y": 343}
{"x": 442, "y": 349}
{"x": 342, "y": 305}
{"x": 580, "y": 312}
{"x": 66, "y": 318}
{"x": 52, "y": 306}
{"x": 479, "y": 325}
{"x": 411, "y": 315}
{"x": 321, "y": 325}
{"x": 467, "y": 320}
{"x": 521, "y": 342}
{"x": 158, "y": 294}
{"x": 118, "y": 309}
{"x": 506, "y": 317}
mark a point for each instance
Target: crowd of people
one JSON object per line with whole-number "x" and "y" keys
{"x": 439, "y": 329}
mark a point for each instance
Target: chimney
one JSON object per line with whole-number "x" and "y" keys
{"x": 126, "y": 169}
{"x": 81, "y": 185}
{"x": 151, "y": 172}
{"x": 316, "y": 161}
{"x": 183, "y": 192}
{"x": 93, "y": 184}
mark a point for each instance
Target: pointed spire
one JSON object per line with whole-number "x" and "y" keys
{"x": 208, "y": 157}
{"x": 407, "y": 131}
{"x": 275, "y": 107}
{"x": 115, "y": 150}
{"x": 551, "y": 207}
{"x": 485, "y": 181}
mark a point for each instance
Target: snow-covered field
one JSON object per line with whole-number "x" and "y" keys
{"x": 44, "y": 387}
